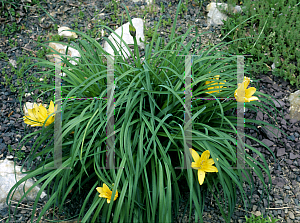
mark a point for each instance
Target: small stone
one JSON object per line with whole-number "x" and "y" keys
{"x": 291, "y": 215}
{"x": 279, "y": 168}
{"x": 286, "y": 200}
{"x": 291, "y": 137}
{"x": 257, "y": 213}
{"x": 281, "y": 152}
{"x": 293, "y": 156}
{"x": 268, "y": 142}
{"x": 63, "y": 33}
{"x": 279, "y": 202}
{"x": 278, "y": 104}
{"x": 13, "y": 62}
{"x": 254, "y": 208}
{"x": 286, "y": 187}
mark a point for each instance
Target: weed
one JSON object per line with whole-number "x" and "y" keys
{"x": 81, "y": 15}
{"x": 162, "y": 7}
{"x": 3, "y": 56}
{"x": 20, "y": 155}
{"x": 9, "y": 149}
{"x": 260, "y": 219}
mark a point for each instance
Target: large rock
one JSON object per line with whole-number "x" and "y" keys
{"x": 123, "y": 32}
{"x": 62, "y": 31}
{"x": 62, "y": 49}
{"x": 214, "y": 15}
{"x": 8, "y": 180}
{"x": 294, "y": 99}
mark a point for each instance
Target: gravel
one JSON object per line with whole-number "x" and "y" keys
{"x": 285, "y": 194}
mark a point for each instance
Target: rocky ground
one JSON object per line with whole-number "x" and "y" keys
{"x": 285, "y": 194}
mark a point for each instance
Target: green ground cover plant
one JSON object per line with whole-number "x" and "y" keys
{"x": 272, "y": 37}
{"x": 8, "y": 8}
{"x": 149, "y": 131}
{"x": 260, "y": 219}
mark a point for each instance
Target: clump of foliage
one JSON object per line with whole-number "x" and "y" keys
{"x": 260, "y": 219}
{"x": 270, "y": 32}
{"x": 150, "y": 142}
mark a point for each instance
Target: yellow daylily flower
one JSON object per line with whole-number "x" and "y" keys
{"x": 216, "y": 78}
{"x": 106, "y": 192}
{"x": 202, "y": 164}
{"x": 242, "y": 90}
{"x": 38, "y": 115}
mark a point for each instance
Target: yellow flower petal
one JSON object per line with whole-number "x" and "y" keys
{"x": 195, "y": 165}
{"x": 31, "y": 121}
{"x": 251, "y": 99}
{"x": 210, "y": 169}
{"x": 100, "y": 190}
{"x": 32, "y": 113}
{"x": 210, "y": 162}
{"x": 105, "y": 188}
{"x": 215, "y": 83}
{"x": 205, "y": 155}
{"x": 246, "y": 82}
{"x": 116, "y": 196}
{"x": 49, "y": 121}
{"x": 195, "y": 155}
{"x": 51, "y": 108}
{"x": 42, "y": 114}
{"x": 201, "y": 176}
{"x": 250, "y": 91}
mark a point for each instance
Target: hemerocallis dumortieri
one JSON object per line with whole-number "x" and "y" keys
{"x": 203, "y": 164}
{"x": 242, "y": 87}
{"x": 38, "y": 115}
{"x": 106, "y": 193}
{"x": 208, "y": 82}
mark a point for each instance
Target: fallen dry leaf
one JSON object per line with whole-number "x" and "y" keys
{"x": 10, "y": 113}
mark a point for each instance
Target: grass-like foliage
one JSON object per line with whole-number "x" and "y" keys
{"x": 272, "y": 37}
{"x": 149, "y": 134}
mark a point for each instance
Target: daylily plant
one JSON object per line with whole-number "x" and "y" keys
{"x": 106, "y": 192}
{"x": 202, "y": 164}
{"x": 38, "y": 115}
{"x": 216, "y": 78}
{"x": 242, "y": 94}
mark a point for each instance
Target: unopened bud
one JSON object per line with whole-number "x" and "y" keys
{"x": 132, "y": 30}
